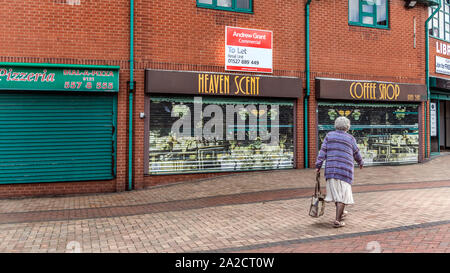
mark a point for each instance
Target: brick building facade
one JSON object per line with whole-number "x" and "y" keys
{"x": 91, "y": 33}
{"x": 188, "y": 37}
{"x": 392, "y": 53}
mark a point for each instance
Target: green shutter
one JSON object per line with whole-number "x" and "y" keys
{"x": 49, "y": 137}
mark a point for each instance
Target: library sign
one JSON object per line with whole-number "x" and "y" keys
{"x": 53, "y": 77}
{"x": 369, "y": 90}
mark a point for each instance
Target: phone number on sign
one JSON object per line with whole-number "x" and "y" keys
{"x": 237, "y": 61}
{"x": 88, "y": 85}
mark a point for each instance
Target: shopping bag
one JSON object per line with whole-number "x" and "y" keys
{"x": 317, "y": 207}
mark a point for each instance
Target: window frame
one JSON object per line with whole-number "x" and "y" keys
{"x": 367, "y": 14}
{"x": 436, "y": 18}
{"x": 233, "y": 6}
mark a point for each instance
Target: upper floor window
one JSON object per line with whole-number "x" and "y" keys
{"x": 231, "y": 5}
{"x": 440, "y": 25}
{"x": 368, "y": 13}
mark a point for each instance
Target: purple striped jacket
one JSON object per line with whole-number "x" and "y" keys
{"x": 339, "y": 149}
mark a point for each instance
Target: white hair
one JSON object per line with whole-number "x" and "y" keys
{"x": 342, "y": 124}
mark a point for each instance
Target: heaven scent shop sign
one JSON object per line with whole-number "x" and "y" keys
{"x": 221, "y": 84}
{"x": 248, "y": 50}
{"x": 369, "y": 90}
{"x": 56, "y": 77}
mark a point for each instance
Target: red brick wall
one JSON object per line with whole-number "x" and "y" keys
{"x": 176, "y": 35}
{"x": 93, "y": 33}
{"x": 339, "y": 50}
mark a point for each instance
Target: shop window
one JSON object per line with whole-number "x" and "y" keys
{"x": 439, "y": 27}
{"x": 202, "y": 134}
{"x": 231, "y": 5}
{"x": 385, "y": 133}
{"x": 368, "y": 13}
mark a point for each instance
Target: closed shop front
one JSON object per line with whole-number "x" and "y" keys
{"x": 211, "y": 122}
{"x": 384, "y": 117}
{"x": 440, "y": 114}
{"x": 57, "y": 123}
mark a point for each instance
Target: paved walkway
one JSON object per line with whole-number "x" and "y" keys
{"x": 259, "y": 211}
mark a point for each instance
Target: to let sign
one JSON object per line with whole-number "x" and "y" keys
{"x": 248, "y": 50}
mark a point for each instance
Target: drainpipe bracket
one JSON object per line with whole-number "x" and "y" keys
{"x": 131, "y": 89}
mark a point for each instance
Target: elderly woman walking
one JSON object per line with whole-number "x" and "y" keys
{"x": 339, "y": 150}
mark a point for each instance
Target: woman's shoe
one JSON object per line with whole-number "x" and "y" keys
{"x": 338, "y": 224}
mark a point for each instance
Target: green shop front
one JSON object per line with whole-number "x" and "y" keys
{"x": 204, "y": 122}
{"x": 384, "y": 117}
{"x": 439, "y": 114}
{"x": 57, "y": 122}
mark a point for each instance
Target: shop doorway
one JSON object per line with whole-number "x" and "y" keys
{"x": 440, "y": 142}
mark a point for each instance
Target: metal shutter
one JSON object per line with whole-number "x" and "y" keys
{"x": 49, "y": 137}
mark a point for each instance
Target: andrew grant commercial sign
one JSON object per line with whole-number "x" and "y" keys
{"x": 248, "y": 50}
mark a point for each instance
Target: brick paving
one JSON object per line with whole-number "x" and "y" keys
{"x": 246, "y": 212}
{"x": 233, "y": 199}
{"x": 433, "y": 170}
{"x": 435, "y": 239}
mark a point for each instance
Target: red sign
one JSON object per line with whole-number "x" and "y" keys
{"x": 248, "y": 50}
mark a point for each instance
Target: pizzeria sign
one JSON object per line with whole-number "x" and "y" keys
{"x": 55, "y": 77}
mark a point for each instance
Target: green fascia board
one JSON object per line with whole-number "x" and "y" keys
{"x": 440, "y": 96}
{"x": 59, "y": 77}
{"x": 436, "y": 88}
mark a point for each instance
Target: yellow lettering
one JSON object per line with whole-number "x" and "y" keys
{"x": 257, "y": 86}
{"x": 216, "y": 83}
{"x": 252, "y": 85}
{"x": 206, "y": 83}
{"x": 351, "y": 90}
{"x": 382, "y": 88}
{"x": 362, "y": 90}
{"x": 397, "y": 91}
{"x": 220, "y": 83}
{"x": 211, "y": 85}
{"x": 374, "y": 89}
{"x": 365, "y": 89}
{"x": 393, "y": 91}
{"x": 247, "y": 80}
{"x": 200, "y": 83}
{"x": 240, "y": 85}
{"x": 227, "y": 84}
{"x": 237, "y": 85}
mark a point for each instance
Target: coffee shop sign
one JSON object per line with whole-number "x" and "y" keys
{"x": 370, "y": 90}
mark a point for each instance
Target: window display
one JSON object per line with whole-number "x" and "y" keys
{"x": 203, "y": 134}
{"x": 385, "y": 133}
